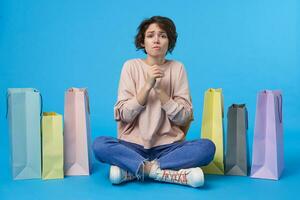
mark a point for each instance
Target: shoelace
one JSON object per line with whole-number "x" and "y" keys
{"x": 175, "y": 176}
{"x": 128, "y": 176}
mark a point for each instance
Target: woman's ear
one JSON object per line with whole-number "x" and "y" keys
{"x": 142, "y": 45}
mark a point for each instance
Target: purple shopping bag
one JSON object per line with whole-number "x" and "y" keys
{"x": 267, "y": 154}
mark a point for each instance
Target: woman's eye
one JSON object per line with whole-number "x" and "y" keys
{"x": 163, "y": 36}
{"x": 149, "y": 36}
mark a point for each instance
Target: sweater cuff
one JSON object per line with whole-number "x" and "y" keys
{"x": 170, "y": 106}
{"x": 133, "y": 104}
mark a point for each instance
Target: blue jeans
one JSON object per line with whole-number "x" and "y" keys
{"x": 131, "y": 156}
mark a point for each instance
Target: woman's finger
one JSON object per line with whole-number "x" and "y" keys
{"x": 157, "y": 70}
{"x": 158, "y": 75}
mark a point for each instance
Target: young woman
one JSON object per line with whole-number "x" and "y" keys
{"x": 153, "y": 112}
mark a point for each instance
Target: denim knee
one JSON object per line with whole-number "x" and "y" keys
{"x": 210, "y": 149}
{"x": 101, "y": 145}
{"x": 204, "y": 151}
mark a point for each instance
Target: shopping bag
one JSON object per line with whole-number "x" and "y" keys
{"x": 236, "y": 159}
{"x": 24, "y": 107}
{"x": 267, "y": 151}
{"x": 52, "y": 146}
{"x": 212, "y": 128}
{"x": 77, "y": 141}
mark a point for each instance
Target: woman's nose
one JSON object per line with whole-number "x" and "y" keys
{"x": 156, "y": 39}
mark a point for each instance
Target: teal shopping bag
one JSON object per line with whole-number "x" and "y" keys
{"x": 24, "y": 115}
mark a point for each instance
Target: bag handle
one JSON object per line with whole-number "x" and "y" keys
{"x": 279, "y": 106}
{"x": 246, "y": 117}
{"x": 222, "y": 104}
{"x": 86, "y": 95}
{"x": 7, "y": 96}
{"x": 41, "y": 98}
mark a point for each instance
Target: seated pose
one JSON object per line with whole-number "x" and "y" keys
{"x": 153, "y": 112}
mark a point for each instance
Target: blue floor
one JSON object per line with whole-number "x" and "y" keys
{"x": 97, "y": 186}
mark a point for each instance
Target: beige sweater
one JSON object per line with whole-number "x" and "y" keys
{"x": 153, "y": 124}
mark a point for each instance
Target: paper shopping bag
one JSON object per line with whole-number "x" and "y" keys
{"x": 267, "y": 154}
{"x": 77, "y": 132}
{"x": 236, "y": 159}
{"x": 24, "y": 118}
{"x": 52, "y": 146}
{"x": 212, "y": 128}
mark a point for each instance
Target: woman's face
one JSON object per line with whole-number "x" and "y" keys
{"x": 156, "y": 41}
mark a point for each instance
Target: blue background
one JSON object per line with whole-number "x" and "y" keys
{"x": 240, "y": 46}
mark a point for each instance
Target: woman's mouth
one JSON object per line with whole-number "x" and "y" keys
{"x": 156, "y": 48}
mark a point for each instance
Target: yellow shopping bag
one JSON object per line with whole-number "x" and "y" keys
{"x": 212, "y": 128}
{"x": 52, "y": 146}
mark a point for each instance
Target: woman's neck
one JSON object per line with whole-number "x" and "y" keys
{"x": 155, "y": 60}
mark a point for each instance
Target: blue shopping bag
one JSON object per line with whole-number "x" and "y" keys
{"x": 24, "y": 106}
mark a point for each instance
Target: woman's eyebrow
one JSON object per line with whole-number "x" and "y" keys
{"x": 150, "y": 32}
{"x": 154, "y": 31}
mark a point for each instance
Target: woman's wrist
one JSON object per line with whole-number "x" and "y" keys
{"x": 147, "y": 87}
{"x": 143, "y": 94}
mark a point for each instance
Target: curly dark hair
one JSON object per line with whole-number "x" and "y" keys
{"x": 164, "y": 23}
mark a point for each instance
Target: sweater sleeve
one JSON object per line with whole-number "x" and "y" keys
{"x": 127, "y": 107}
{"x": 179, "y": 108}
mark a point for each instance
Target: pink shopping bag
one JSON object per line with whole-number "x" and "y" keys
{"x": 77, "y": 142}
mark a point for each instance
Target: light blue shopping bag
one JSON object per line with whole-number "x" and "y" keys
{"x": 24, "y": 106}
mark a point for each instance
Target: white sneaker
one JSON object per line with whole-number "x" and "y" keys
{"x": 118, "y": 175}
{"x": 193, "y": 177}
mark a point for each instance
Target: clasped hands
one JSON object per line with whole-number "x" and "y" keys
{"x": 153, "y": 80}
